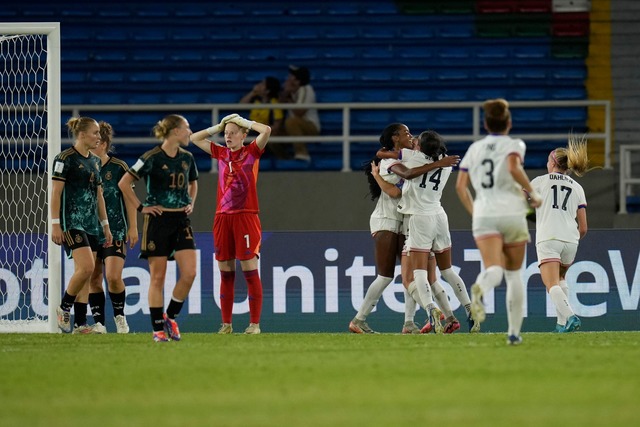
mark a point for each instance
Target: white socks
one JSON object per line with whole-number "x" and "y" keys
{"x": 410, "y": 307}
{"x": 372, "y": 296}
{"x": 459, "y": 288}
{"x": 515, "y": 301}
{"x": 420, "y": 291}
{"x": 441, "y": 297}
{"x": 490, "y": 278}
{"x": 561, "y": 303}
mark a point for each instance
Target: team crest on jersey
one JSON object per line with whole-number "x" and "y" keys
{"x": 108, "y": 176}
{"x": 151, "y": 246}
{"x": 185, "y": 166}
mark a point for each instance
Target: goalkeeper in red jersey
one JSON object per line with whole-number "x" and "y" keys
{"x": 237, "y": 232}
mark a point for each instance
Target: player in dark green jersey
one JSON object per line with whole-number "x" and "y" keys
{"x": 110, "y": 260}
{"x": 170, "y": 175}
{"x": 78, "y": 210}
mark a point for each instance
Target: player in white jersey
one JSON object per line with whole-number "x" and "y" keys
{"x": 557, "y": 233}
{"x": 493, "y": 165}
{"x": 429, "y": 226}
{"x": 386, "y": 226}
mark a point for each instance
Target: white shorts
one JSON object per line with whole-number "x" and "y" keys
{"x": 513, "y": 229}
{"x": 556, "y": 250}
{"x": 384, "y": 224}
{"x": 429, "y": 233}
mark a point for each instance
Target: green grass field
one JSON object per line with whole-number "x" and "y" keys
{"x": 581, "y": 379}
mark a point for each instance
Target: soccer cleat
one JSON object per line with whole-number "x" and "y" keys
{"x": 436, "y": 320}
{"x": 514, "y": 340}
{"x": 428, "y": 327}
{"x": 160, "y": 336}
{"x": 473, "y": 325}
{"x": 410, "y": 328}
{"x": 171, "y": 328}
{"x": 358, "y": 326}
{"x": 225, "y": 328}
{"x": 64, "y": 320}
{"x": 252, "y": 329}
{"x": 573, "y": 324}
{"x": 451, "y": 325}
{"x": 99, "y": 328}
{"x": 559, "y": 328}
{"x": 83, "y": 329}
{"x": 477, "y": 306}
{"x": 122, "y": 327}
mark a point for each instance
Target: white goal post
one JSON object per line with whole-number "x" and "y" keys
{"x": 30, "y": 134}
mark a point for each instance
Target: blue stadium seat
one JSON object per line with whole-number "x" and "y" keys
{"x": 377, "y": 53}
{"x": 187, "y": 55}
{"x": 529, "y": 94}
{"x": 263, "y": 33}
{"x": 453, "y": 75}
{"x": 455, "y": 53}
{"x": 568, "y": 74}
{"x": 112, "y": 35}
{"x": 530, "y": 74}
{"x": 416, "y": 32}
{"x": 146, "y": 77}
{"x": 148, "y": 55}
{"x": 150, "y": 35}
{"x": 144, "y": 98}
{"x": 105, "y": 98}
{"x": 333, "y": 52}
{"x": 414, "y": 95}
{"x": 302, "y": 33}
{"x": 184, "y": 76}
{"x": 110, "y": 56}
{"x": 569, "y": 93}
{"x": 375, "y": 75}
{"x": 341, "y": 33}
{"x": 494, "y": 53}
{"x": 375, "y": 32}
{"x": 188, "y": 35}
{"x": 223, "y": 76}
{"x": 378, "y": 94}
{"x": 414, "y": 75}
{"x": 335, "y": 95}
{"x": 416, "y": 52}
{"x": 106, "y": 77}
{"x": 338, "y": 75}
{"x": 451, "y": 95}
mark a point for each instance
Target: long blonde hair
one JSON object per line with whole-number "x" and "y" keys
{"x": 573, "y": 157}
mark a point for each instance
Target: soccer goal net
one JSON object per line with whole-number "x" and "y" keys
{"x": 30, "y": 123}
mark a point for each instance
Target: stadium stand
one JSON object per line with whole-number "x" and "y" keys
{"x": 211, "y": 52}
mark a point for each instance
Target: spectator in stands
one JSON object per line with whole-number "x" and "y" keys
{"x": 556, "y": 233}
{"x": 267, "y": 91}
{"x": 300, "y": 121}
{"x": 171, "y": 178}
{"x": 237, "y": 233}
{"x": 76, "y": 197}
{"x": 493, "y": 165}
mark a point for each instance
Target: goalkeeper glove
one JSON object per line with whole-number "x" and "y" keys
{"x": 220, "y": 126}
{"x": 242, "y": 122}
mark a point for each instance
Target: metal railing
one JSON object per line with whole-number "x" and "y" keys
{"x": 626, "y": 175}
{"x": 346, "y": 138}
